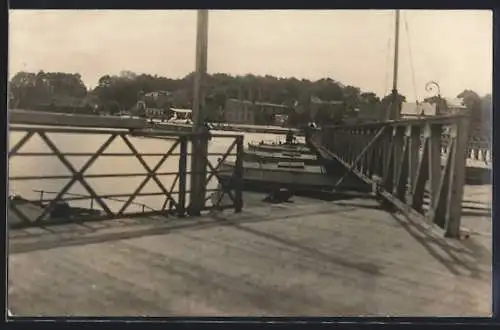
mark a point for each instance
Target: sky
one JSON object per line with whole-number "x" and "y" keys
{"x": 355, "y": 47}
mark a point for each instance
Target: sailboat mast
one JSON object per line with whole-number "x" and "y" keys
{"x": 395, "y": 111}
{"x": 396, "y": 53}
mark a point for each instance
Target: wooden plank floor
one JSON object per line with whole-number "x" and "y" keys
{"x": 309, "y": 258}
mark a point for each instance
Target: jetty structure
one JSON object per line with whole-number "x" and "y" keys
{"x": 415, "y": 155}
{"x": 287, "y": 164}
{"x": 304, "y": 167}
{"x": 410, "y": 243}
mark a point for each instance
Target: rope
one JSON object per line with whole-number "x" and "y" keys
{"x": 411, "y": 57}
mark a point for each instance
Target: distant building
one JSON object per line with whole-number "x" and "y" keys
{"x": 417, "y": 109}
{"x": 445, "y": 107}
{"x": 149, "y": 110}
{"x": 155, "y": 113}
{"x": 153, "y": 105}
{"x": 252, "y": 113}
{"x": 413, "y": 109}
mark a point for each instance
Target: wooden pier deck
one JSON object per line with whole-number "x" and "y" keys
{"x": 309, "y": 258}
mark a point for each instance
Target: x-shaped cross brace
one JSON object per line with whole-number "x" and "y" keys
{"x": 214, "y": 172}
{"x": 151, "y": 174}
{"x": 76, "y": 175}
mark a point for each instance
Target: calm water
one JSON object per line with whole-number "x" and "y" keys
{"x": 47, "y": 166}
{"x": 26, "y": 166}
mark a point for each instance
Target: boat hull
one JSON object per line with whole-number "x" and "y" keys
{"x": 278, "y": 148}
{"x": 269, "y": 177}
{"x": 274, "y": 157}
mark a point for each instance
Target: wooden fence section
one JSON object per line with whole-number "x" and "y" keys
{"x": 403, "y": 159}
{"x": 175, "y": 200}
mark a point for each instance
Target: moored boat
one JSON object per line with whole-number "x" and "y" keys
{"x": 295, "y": 176}
{"x": 280, "y": 148}
{"x": 284, "y": 156}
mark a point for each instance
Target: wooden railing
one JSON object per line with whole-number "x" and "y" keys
{"x": 175, "y": 152}
{"x": 403, "y": 159}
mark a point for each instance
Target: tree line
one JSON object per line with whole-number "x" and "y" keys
{"x": 115, "y": 93}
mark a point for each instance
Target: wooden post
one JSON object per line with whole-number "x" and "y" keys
{"x": 414, "y": 153}
{"x": 434, "y": 131}
{"x": 238, "y": 185}
{"x": 182, "y": 175}
{"x": 199, "y": 140}
{"x": 388, "y": 177}
{"x": 457, "y": 182}
{"x": 422, "y": 174}
{"x": 401, "y": 182}
{"x": 399, "y": 140}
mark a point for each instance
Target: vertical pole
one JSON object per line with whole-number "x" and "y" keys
{"x": 238, "y": 202}
{"x": 434, "y": 164}
{"x": 395, "y": 107}
{"x": 200, "y": 139}
{"x": 182, "y": 175}
{"x": 457, "y": 180}
{"x": 399, "y": 141}
{"x": 415, "y": 134}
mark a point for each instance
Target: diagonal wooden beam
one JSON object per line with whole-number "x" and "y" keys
{"x": 226, "y": 154}
{"x": 20, "y": 143}
{"x": 170, "y": 191}
{"x": 149, "y": 175}
{"x": 76, "y": 175}
{"x": 363, "y": 152}
{"x": 227, "y": 190}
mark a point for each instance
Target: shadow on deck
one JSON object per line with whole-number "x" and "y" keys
{"x": 309, "y": 258}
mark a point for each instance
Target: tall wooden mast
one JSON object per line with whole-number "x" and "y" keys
{"x": 395, "y": 110}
